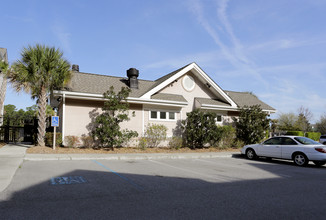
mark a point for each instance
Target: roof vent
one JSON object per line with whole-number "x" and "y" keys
{"x": 132, "y": 74}
{"x": 75, "y": 67}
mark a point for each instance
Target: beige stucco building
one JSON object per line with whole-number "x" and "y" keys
{"x": 166, "y": 100}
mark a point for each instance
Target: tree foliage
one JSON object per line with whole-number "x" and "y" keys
{"x": 303, "y": 121}
{"x": 200, "y": 129}
{"x": 40, "y": 70}
{"x": 4, "y": 66}
{"x": 293, "y": 122}
{"x": 321, "y": 124}
{"x": 14, "y": 117}
{"x": 115, "y": 110}
{"x": 286, "y": 121}
{"x": 251, "y": 124}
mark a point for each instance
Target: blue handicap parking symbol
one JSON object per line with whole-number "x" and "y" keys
{"x": 55, "y": 121}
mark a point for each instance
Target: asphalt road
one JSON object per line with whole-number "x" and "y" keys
{"x": 220, "y": 188}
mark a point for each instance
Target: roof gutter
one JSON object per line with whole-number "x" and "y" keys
{"x": 220, "y": 107}
{"x": 98, "y": 97}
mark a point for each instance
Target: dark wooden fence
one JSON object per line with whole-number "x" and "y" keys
{"x": 24, "y": 132}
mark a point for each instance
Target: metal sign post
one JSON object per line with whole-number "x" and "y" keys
{"x": 55, "y": 124}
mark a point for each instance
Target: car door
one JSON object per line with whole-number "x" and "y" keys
{"x": 288, "y": 147}
{"x": 271, "y": 148}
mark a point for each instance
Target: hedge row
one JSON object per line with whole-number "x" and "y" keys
{"x": 312, "y": 135}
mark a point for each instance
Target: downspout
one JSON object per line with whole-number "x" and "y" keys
{"x": 143, "y": 121}
{"x": 63, "y": 116}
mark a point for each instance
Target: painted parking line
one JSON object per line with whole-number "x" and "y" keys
{"x": 139, "y": 187}
{"x": 193, "y": 172}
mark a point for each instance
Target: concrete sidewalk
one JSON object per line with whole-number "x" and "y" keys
{"x": 12, "y": 156}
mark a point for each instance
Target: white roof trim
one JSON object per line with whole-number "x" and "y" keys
{"x": 198, "y": 70}
{"x": 220, "y": 107}
{"x": 98, "y": 97}
{"x": 167, "y": 82}
{"x": 212, "y": 107}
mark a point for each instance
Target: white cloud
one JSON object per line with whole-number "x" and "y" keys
{"x": 203, "y": 59}
{"x": 285, "y": 43}
{"x": 235, "y": 53}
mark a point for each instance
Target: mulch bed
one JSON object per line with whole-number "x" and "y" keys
{"x": 2, "y": 144}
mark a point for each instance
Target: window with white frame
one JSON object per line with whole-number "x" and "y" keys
{"x": 162, "y": 115}
{"x": 219, "y": 119}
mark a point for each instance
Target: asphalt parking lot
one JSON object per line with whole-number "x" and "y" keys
{"x": 216, "y": 188}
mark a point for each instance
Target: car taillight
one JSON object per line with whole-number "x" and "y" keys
{"x": 320, "y": 149}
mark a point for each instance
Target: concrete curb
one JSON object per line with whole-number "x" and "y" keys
{"x": 154, "y": 156}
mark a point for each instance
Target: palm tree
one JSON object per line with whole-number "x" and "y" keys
{"x": 40, "y": 70}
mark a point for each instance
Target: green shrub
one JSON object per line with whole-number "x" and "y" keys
{"x": 313, "y": 135}
{"x": 200, "y": 130}
{"x": 155, "y": 134}
{"x": 142, "y": 143}
{"x": 176, "y": 142}
{"x": 251, "y": 124}
{"x": 238, "y": 144}
{"x": 72, "y": 141}
{"x": 49, "y": 139}
{"x": 87, "y": 141}
{"x": 107, "y": 131}
{"x": 295, "y": 133}
{"x": 228, "y": 137}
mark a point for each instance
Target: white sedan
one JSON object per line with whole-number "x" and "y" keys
{"x": 299, "y": 149}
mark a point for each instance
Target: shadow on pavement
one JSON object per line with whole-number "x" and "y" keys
{"x": 87, "y": 194}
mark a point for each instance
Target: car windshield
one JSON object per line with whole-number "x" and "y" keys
{"x": 306, "y": 141}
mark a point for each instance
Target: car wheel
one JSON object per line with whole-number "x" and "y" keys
{"x": 251, "y": 154}
{"x": 319, "y": 163}
{"x": 300, "y": 159}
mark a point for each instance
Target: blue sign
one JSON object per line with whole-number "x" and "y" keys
{"x": 55, "y": 121}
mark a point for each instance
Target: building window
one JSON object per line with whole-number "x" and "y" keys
{"x": 171, "y": 115}
{"x": 188, "y": 83}
{"x": 154, "y": 114}
{"x": 162, "y": 115}
{"x": 219, "y": 118}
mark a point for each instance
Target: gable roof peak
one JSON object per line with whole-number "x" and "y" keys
{"x": 200, "y": 74}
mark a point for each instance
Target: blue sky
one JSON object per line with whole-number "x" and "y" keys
{"x": 275, "y": 49}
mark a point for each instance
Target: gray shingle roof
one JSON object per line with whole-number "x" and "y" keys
{"x": 98, "y": 84}
{"x": 247, "y": 99}
{"x": 169, "y": 97}
{"x": 207, "y": 101}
